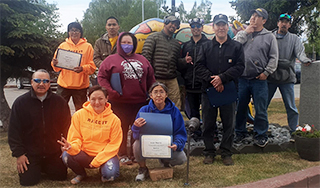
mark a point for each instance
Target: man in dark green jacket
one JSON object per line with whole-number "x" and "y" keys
{"x": 163, "y": 52}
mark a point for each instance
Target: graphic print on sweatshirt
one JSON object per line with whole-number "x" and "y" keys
{"x": 128, "y": 72}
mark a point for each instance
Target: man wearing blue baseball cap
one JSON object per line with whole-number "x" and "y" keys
{"x": 290, "y": 48}
{"x": 261, "y": 60}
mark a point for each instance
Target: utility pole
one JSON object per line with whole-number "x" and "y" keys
{"x": 142, "y": 10}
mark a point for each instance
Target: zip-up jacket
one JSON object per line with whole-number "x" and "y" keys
{"x": 179, "y": 130}
{"x": 98, "y": 135}
{"x": 225, "y": 60}
{"x": 163, "y": 52}
{"x": 290, "y": 48}
{"x": 191, "y": 79}
{"x": 261, "y": 53}
{"x": 102, "y": 49}
{"x": 68, "y": 78}
{"x": 36, "y": 126}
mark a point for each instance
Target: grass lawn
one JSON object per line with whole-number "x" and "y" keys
{"x": 247, "y": 168}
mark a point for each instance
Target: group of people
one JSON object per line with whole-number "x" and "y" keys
{"x": 96, "y": 135}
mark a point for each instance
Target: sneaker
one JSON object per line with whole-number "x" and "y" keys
{"x": 227, "y": 160}
{"x": 238, "y": 139}
{"x": 76, "y": 180}
{"x": 208, "y": 159}
{"x": 103, "y": 179}
{"x": 261, "y": 142}
{"x": 124, "y": 160}
{"x": 143, "y": 174}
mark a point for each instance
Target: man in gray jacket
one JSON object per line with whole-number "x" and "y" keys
{"x": 261, "y": 60}
{"x": 290, "y": 48}
{"x": 163, "y": 52}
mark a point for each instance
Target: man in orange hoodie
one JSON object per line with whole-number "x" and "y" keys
{"x": 75, "y": 82}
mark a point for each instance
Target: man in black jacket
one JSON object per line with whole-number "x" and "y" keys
{"x": 38, "y": 119}
{"x": 224, "y": 63}
{"x": 192, "y": 80}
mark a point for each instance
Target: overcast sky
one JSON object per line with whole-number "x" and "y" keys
{"x": 70, "y": 10}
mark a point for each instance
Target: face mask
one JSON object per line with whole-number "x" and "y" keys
{"x": 127, "y": 48}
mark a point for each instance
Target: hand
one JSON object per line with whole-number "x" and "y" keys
{"x": 250, "y": 29}
{"x": 65, "y": 146}
{"x": 78, "y": 69}
{"x": 220, "y": 88}
{"x": 22, "y": 162}
{"x": 306, "y": 64}
{"x": 261, "y": 77}
{"x": 173, "y": 147}
{"x": 90, "y": 165}
{"x": 55, "y": 62}
{"x": 139, "y": 122}
{"x": 188, "y": 58}
{"x": 216, "y": 81}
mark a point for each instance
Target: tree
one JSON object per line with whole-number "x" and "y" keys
{"x": 202, "y": 11}
{"x": 303, "y": 12}
{"x": 95, "y": 16}
{"x": 28, "y": 39}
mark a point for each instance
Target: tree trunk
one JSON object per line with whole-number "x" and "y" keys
{"x": 4, "y": 108}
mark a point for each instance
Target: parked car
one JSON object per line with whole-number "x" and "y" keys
{"x": 25, "y": 79}
{"x": 297, "y": 69}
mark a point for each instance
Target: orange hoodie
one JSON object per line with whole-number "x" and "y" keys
{"x": 70, "y": 79}
{"x": 98, "y": 135}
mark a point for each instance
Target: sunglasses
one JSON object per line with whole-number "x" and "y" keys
{"x": 38, "y": 80}
{"x": 196, "y": 26}
{"x": 285, "y": 16}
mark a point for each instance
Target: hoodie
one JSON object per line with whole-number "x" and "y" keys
{"x": 261, "y": 53}
{"x": 98, "y": 135}
{"x": 179, "y": 130}
{"x": 68, "y": 78}
{"x": 132, "y": 90}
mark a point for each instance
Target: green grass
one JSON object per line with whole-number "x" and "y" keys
{"x": 247, "y": 168}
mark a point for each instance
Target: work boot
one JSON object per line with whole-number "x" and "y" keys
{"x": 227, "y": 160}
{"x": 208, "y": 159}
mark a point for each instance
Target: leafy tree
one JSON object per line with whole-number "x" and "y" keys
{"x": 28, "y": 39}
{"x": 303, "y": 12}
{"x": 202, "y": 11}
{"x": 313, "y": 45}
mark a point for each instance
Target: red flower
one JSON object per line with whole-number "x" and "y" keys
{"x": 304, "y": 130}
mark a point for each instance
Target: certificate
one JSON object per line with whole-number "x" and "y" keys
{"x": 155, "y": 146}
{"x": 67, "y": 59}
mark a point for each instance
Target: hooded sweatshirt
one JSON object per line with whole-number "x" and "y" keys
{"x": 133, "y": 91}
{"x": 261, "y": 53}
{"x": 70, "y": 79}
{"x": 179, "y": 130}
{"x": 98, "y": 135}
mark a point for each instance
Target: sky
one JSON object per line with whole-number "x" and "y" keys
{"x": 70, "y": 10}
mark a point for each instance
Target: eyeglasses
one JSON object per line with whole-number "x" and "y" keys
{"x": 74, "y": 31}
{"x": 196, "y": 26}
{"x": 38, "y": 80}
{"x": 285, "y": 16}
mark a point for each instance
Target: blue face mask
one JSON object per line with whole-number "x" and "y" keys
{"x": 127, "y": 48}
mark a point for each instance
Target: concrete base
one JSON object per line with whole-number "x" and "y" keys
{"x": 161, "y": 173}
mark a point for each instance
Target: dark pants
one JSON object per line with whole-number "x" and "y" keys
{"x": 194, "y": 101}
{"x": 109, "y": 170}
{"x": 50, "y": 165}
{"x": 209, "y": 115}
{"x": 79, "y": 96}
{"x": 127, "y": 114}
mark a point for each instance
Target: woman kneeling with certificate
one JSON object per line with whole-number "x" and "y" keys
{"x": 160, "y": 103}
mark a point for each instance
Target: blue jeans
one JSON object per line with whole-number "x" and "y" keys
{"x": 287, "y": 93}
{"x": 259, "y": 91}
{"x": 109, "y": 170}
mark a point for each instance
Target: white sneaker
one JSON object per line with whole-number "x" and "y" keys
{"x": 143, "y": 174}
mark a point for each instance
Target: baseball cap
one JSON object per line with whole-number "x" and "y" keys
{"x": 220, "y": 18}
{"x": 196, "y": 21}
{"x": 285, "y": 16}
{"x": 261, "y": 12}
{"x": 172, "y": 19}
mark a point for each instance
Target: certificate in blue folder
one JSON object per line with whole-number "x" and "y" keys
{"x": 227, "y": 96}
{"x": 115, "y": 82}
{"x": 156, "y": 135}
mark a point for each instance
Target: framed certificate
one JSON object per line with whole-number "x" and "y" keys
{"x": 156, "y": 146}
{"x": 67, "y": 59}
